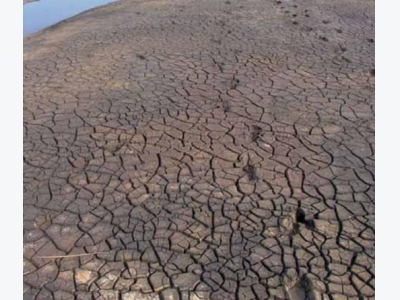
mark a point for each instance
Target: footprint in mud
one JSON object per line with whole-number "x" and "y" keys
{"x": 323, "y": 38}
{"x": 290, "y": 225}
{"x": 372, "y": 72}
{"x": 298, "y": 287}
{"x": 301, "y": 218}
{"x": 251, "y": 172}
{"x": 234, "y": 83}
{"x": 300, "y": 215}
{"x": 226, "y": 106}
{"x": 256, "y": 132}
{"x": 307, "y": 29}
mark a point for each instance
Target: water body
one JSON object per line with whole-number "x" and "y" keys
{"x": 43, "y": 13}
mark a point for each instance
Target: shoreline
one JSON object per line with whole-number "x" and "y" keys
{"x": 48, "y": 13}
{"x": 29, "y": 1}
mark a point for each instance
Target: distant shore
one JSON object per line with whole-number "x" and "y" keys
{"x": 27, "y": 1}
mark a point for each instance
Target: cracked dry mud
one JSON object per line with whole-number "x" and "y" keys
{"x": 201, "y": 150}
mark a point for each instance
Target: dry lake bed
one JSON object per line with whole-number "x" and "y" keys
{"x": 201, "y": 150}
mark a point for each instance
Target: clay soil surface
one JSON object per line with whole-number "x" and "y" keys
{"x": 201, "y": 150}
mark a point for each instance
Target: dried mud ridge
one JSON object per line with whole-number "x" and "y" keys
{"x": 201, "y": 150}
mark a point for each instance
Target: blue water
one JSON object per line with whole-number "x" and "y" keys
{"x": 43, "y": 13}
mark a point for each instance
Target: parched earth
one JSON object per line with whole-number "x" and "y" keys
{"x": 201, "y": 150}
